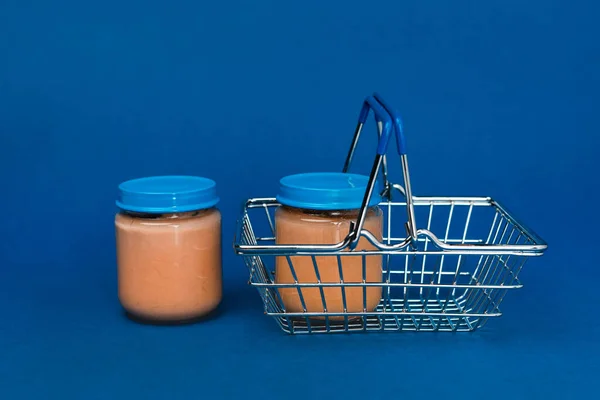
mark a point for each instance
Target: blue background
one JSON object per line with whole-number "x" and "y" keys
{"x": 499, "y": 98}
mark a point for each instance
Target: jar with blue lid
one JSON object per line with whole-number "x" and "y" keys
{"x": 168, "y": 238}
{"x": 318, "y": 209}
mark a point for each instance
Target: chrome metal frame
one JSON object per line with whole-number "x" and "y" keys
{"x": 432, "y": 282}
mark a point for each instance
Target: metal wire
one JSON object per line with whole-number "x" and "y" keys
{"x": 424, "y": 288}
{"x": 451, "y": 276}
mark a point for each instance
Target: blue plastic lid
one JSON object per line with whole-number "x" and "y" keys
{"x": 167, "y": 194}
{"x": 326, "y": 191}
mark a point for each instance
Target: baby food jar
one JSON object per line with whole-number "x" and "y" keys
{"x": 168, "y": 234}
{"x": 318, "y": 208}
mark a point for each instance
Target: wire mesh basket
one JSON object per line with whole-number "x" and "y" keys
{"x": 450, "y": 275}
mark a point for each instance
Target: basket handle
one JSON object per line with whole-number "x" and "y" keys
{"x": 397, "y": 123}
{"x": 388, "y": 122}
{"x": 401, "y": 144}
{"x": 383, "y": 119}
{"x": 385, "y": 130}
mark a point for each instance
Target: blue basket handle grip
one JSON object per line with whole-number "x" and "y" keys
{"x": 411, "y": 225}
{"x": 381, "y": 117}
{"x": 397, "y": 122}
{"x": 385, "y": 128}
{"x": 387, "y": 119}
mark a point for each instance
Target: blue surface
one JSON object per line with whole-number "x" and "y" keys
{"x": 326, "y": 191}
{"x": 498, "y": 98}
{"x": 167, "y": 194}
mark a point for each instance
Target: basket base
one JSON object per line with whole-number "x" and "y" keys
{"x": 434, "y": 316}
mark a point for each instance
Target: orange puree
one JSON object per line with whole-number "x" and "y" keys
{"x": 169, "y": 265}
{"x": 297, "y": 226}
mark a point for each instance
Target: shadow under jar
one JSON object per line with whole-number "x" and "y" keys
{"x": 168, "y": 235}
{"x": 318, "y": 208}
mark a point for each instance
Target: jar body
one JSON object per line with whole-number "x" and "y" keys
{"x": 169, "y": 265}
{"x": 298, "y": 226}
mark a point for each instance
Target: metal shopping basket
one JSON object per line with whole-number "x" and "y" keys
{"x": 450, "y": 275}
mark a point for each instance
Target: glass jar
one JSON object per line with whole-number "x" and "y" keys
{"x": 168, "y": 236}
{"x": 318, "y": 208}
